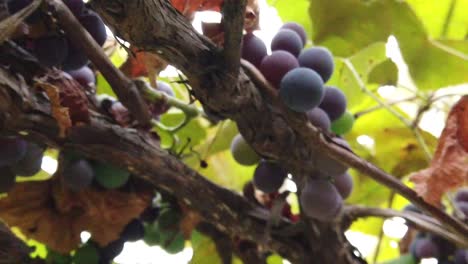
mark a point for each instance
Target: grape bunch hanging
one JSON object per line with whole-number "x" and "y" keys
{"x": 300, "y": 75}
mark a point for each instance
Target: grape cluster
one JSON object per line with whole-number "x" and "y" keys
{"x": 426, "y": 245}
{"x": 18, "y": 158}
{"x": 54, "y": 49}
{"x": 300, "y": 76}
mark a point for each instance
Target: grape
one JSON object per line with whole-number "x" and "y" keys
{"x": 150, "y": 214}
{"x": 7, "y": 179}
{"x": 461, "y": 256}
{"x": 329, "y": 166}
{"x": 446, "y": 248}
{"x": 134, "y": 231}
{"x": 253, "y": 49}
{"x": 426, "y": 248}
{"x": 301, "y": 89}
{"x": 175, "y": 244}
{"x": 51, "y": 51}
{"x": 57, "y": 258}
{"x": 298, "y": 29}
{"x": 16, "y": 5}
{"x": 344, "y": 124}
{"x": 168, "y": 218}
{"x": 461, "y": 195}
{"x": 269, "y": 176}
{"x": 78, "y": 175}
{"x": 319, "y": 118}
{"x": 110, "y": 177}
{"x": 84, "y": 76}
{"x": 318, "y": 59}
{"x": 320, "y": 200}
{"x": 463, "y": 207}
{"x": 276, "y": 65}
{"x": 87, "y": 254}
{"x": 111, "y": 251}
{"x": 152, "y": 234}
{"x": 31, "y": 163}
{"x": 344, "y": 184}
{"x": 12, "y": 149}
{"x": 93, "y": 23}
{"x": 287, "y": 40}
{"x": 165, "y": 88}
{"x": 75, "y": 59}
{"x": 333, "y": 103}
{"x": 242, "y": 152}
{"x": 76, "y": 6}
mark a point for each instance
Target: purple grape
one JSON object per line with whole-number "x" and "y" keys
{"x": 76, "y": 6}
{"x": 7, "y": 179}
{"x": 51, "y": 51}
{"x": 276, "y": 65}
{"x": 165, "y": 88}
{"x": 329, "y": 166}
{"x": 16, "y": 5}
{"x": 461, "y": 195}
{"x": 253, "y": 49}
{"x": 344, "y": 184}
{"x": 84, "y": 76}
{"x": 93, "y": 23}
{"x": 318, "y": 59}
{"x": 298, "y": 29}
{"x": 333, "y": 103}
{"x": 461, "y": 256}
{"x": 31, "y": 163}
{"x": 319, "y": 118}
{"x": 12, "y": 149}
{"x": 134, "y": 231}
{"x": 75, "y": 59}
{"x": 301, "y": 89}
{"x": 426, "y": 248}
{"x": 287, "y": 40}
{"x": 463, "y": 207}
{"x": 78, "y": 175}
{"x": 320, "y": 200}
{"x": 269, "y": 176}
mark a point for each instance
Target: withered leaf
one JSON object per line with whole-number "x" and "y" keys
{"x": 449, "y": 167}
{"x": 143, "y": 64}
{"x": 50, "y": 213}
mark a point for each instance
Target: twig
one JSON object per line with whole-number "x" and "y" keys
{"x": 233, "y": 23}
{"x": 381, "y": 233}
{"x": 421, "y": 221}
{"x": 415, "y": 131}
{"x": 123, "y": 87}
{"x": 391, "y": 103}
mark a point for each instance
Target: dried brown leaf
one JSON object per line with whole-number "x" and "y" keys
{"x": 60, "y": 113}
{"x": 449, "y": 167}
{"x": 52, "y": 214}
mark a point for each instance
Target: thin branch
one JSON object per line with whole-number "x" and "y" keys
{"x": 423, "y": 222}
{"x": 233, "y": 23}
{"x": 381, "y": 233}
{"x": 123, "y": 87}
{"x": 390, "y": 103}
{"x": 448, "y": 19}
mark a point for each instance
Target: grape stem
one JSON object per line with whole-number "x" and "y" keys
{"x": 124, "y": 88}
{"x": 378, "y": 107}
{"x": 423, "y": 222}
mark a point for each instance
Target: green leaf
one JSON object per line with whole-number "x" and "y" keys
{"x": 386, "y": 73}
{"x": 405, "y": 259}
{"x": 204, "y": 250}
{"x": 347, "y": 26}
{"x": 296, "y": 12}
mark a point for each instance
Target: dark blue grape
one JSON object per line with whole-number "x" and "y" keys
{"x": 51, "y": 51}
{"x": 134, "y": 231}
{"x": 7, "y": 179}
{"x": 12, "y": 149}
{"x": 301, "y": 89}
{"x": 253, "y": 49}
{"x": 84, "y": 76}
{"x": 426, "y": 248}
{"x": 461, "y": 195}
{"x": 78, "y": 175}
{"x": 319, "y": 118}
{"x": 318, "y": 59}
{"x": 111, "y": 251}
{"x": 463, "y": 207}
{"x": 333, "y": 103}
{"x": 16, "y": 5}
{"x": 150, "y": 214}
{"x": 298, "y": 29}
{"x": 276, "y": 65}
{"x": 287, "y": 40}
{"x": 328, "y": 165}
{"x": 75, "y": 59}
{"x": 76, "y": 6}
{"x": 461, "y": 256}
{"x": 93, "y": 23}
{"x": 344, "y": 184}
{"x": 30, "y": 164}
{"x": 320, "y": 200}
{"x": 269, "y": 176}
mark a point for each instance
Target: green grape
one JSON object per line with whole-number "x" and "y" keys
{"x": 87, "y": 254}
{"x": 110, "y": 177}
{"x": 242, "y": 152}
{"x": 343, "y": 124}
{"x": 53, "y": 257}
{"x": 169, "y": 217}
{"x": 176, "y": 244}
{"x": 152, "y": 235}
